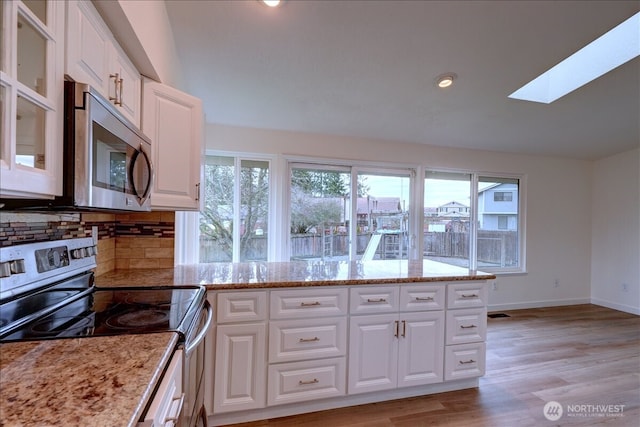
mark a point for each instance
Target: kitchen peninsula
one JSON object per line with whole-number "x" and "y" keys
{"x": 302, "y": 336}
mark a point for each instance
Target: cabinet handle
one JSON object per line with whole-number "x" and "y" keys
{"x": 313, "y": 381}
{"x": 469, "y": 296}
{"x": 173, "y": 415}
{"x": 119, "y": 101}
{"x": 115, "y": 78}
{"x": 463, "y": 362}
{"x": 397, "y": 329}
{"x": 314, "y": 339}
{"x": 376, "y": 300}
{"x": 424, "y": 298}
{"x": 468, "y": 327}
{"x": 309, "y": 304}
{"x": 404, "y": 328}
{"x": 197, "y": 192}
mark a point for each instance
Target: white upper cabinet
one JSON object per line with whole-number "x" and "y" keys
{"x": 174, "y": 121}
{"x": 93, "y": 56}
{"x": 31, "y": 93}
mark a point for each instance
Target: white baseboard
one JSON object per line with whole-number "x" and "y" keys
{"x": 616, "y": 306}
{"x": 537, "y": 304}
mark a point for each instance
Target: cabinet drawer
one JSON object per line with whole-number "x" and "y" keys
{"x": 466, "y": 295}
{"x": 167, "y": 400}
{"x": 302, "y": 339}
{"x": 308, "y": 302}
{"x": 374, "y": 299}
{"x": 422, "y": 297}
{"x": 464, "y": 361}
{"x": 465, "y": 326}
{"x": 241, "y": 306}
{"x": 310, "y": 380}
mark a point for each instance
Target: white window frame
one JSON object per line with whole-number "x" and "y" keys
{"x": 187, "y": 250}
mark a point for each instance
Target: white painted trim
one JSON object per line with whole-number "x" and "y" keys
{"x": 616, "y": 306}
{"x": 538, "y": 304}
{"x": 338, "y": 402}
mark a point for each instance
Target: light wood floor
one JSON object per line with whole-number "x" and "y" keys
{"x": 575, "y": 355}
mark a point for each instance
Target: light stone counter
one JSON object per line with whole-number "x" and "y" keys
{"x": 91, "y": 381}
{"x": 247, "y": 275}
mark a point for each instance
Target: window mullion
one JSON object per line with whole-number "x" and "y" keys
{"x": 473, "y": 224}
{"x": 237, "y": 215}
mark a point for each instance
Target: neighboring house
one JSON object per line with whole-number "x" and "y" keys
{"x": 498, "y": 207}
{"x": 454, "y": 209}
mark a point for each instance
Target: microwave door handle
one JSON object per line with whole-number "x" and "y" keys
{"x": 142, "y": 197}
{"x": 202, "y": 332}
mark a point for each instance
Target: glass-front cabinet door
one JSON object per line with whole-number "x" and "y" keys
{"x": 31, "y": 92}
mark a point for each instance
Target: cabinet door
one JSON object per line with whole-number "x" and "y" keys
{"x": 373, "y": 353}
{"x": 240, "y": 375}
{"x": 173, "y": 120}
{"x": 88, "y": 44}
{"x": 31, "y": 99}
{"x": 421, "y": 347}
{"x": 127, "y": 91}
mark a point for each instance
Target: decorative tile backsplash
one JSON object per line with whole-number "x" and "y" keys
{"x": 136, "y": 240}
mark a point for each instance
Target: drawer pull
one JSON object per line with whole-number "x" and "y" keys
{"x": 376, "y": 300}
{"x": 174, "y": 410}
{"x": 310, "y": 304}
{"x": 313, "y": 381}
{"x": 469, "y": 296}
{"x": 467, "y": 326}
{"x": 314, "y": 339}
{"x": 424, "y": 298}
{"x": 466, "y": 362}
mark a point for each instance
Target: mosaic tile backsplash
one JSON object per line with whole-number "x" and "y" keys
{"x": 137, "y": 240}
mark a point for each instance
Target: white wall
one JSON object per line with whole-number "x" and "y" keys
{"x": 558, "y": 211}
{"x": 615, "y": 246}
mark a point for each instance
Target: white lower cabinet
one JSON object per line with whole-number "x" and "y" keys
{"x": 390, "y": 351}
{"x": 294, "y": 350}
{"x": 240, "y": 367}
{"x": 308, "y": 380}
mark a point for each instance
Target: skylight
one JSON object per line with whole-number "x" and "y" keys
{"x": 602, "y": 55}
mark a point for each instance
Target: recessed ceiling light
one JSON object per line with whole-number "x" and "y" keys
{"x": 445, "y": 80}
{"x": 272, "y": 3}
{"x": 602, "y": 55}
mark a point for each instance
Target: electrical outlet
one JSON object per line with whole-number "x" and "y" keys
{"x": 494, "y": 285}
{"x": 556, "y": 283}
{"x": 625, "y": 287}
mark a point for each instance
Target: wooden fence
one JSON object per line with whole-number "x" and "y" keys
{"x": 494, "y": 247}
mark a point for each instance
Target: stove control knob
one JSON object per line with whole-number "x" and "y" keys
{"x": 54, "y": 258}
{"x": 5, "y": 269}
{"x": 75, "y": 254}
{"x": 17, "y": 266}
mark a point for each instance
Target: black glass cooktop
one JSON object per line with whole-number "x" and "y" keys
{"x": 61, "y": 312}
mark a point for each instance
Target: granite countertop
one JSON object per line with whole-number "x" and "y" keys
{"x": 90, "y": 381}
{"x": 248, "y": 275}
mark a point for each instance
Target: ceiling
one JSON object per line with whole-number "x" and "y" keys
{"x": 367, "y": 69}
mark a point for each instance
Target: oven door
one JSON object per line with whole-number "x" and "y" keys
{"x": 193, "y": 412}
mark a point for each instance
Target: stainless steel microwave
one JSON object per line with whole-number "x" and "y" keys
{"x": 111, "y": 163}
{"x": 106, "y": 160}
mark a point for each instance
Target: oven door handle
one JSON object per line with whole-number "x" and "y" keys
{"x": 203, "y": 332}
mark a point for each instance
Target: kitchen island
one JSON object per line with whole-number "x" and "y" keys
{"x": 302, "y": 336}
{"x": 91, "y": 381}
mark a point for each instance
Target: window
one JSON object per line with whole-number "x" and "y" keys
{"x": 502, "y": 196}
{"x": 324, "y": 202}
{"x": 486, "y": 236}
{"x": 234, "y": 223}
